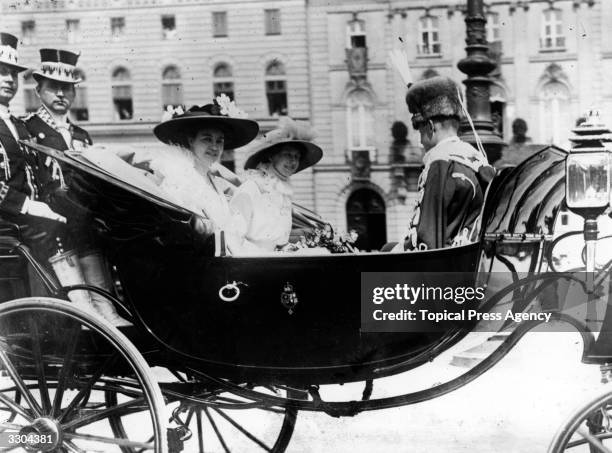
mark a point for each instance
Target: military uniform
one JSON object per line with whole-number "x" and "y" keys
{"x": 45, "y": 131}
{"x": 17, "y": 169}
{"x": 450, "y": 196}
{"x": 451, "y": 186}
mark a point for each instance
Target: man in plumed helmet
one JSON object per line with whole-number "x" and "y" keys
{"x": 451, "y": 185}
{"x": 19, "y": 189}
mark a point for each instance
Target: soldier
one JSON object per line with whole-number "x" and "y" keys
{"x": 19, "y": 189}
{"x": 451, "y": 185}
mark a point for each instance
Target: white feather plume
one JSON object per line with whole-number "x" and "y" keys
{"x": 399, "y": 59}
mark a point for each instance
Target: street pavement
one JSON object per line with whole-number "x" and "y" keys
{"x": 517, "y": 406}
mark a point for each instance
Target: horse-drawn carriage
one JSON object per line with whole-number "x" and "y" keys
{"x": 218, "y": 337}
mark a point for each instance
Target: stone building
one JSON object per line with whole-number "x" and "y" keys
{"x": 324, "y": 62}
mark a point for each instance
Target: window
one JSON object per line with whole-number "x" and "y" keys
{"x": 122, "y": 94}
{"x": 172, "y": 87}
{"x": 31, "y": 99}
{"x": 273, "y": 24}
{"x": 360, "y": 120}
{"x": 168, "y": 27}
{"x": 276, "y": 89}
{"x": 79, "y": 109}
{"x": 355, "y": 36}
{"x": 552, "y": 30}
{"x": 222, "y": 80}
{"x": 429, "y": 40}
{"x": 555, "y": 113}
{"x": 73, "y": 31}
{"x": 117, "y": 27}
{"x": 28, "y": 32}
{"x": 219, "y": 23}
{"x": 493, "y": 31}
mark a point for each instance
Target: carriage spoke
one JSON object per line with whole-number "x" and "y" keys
{"x": 151, "y": 439}
{"x": 118, "y": 410}
{"x": 66, "y": 368}
{"x": 239, "y": 427}
{"x": 71, "y": 448}
{"x": 14, "y": 407}
{"x": 87, "y": 387}
{"x": 217, "y": 432}
{"x": 200, "y": 431}
{"x": 40, "y": 369}
{"x": 13, "y": 426}
{"x": 593, "y": 441}
{"x": 110, "y": 440}
{"x": 21, "y": 386}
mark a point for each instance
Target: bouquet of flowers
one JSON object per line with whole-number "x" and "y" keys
{"x": 327, "y": 239}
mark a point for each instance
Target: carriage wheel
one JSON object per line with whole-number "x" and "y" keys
{"x": 226, "y": 424}
{"x": 61, "y": 361}
{"x": 588, "y": 430}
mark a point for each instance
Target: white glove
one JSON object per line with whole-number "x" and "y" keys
{"x": 203, "y": 226}
{"x": 40, "y": 209}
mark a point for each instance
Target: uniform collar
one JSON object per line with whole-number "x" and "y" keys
{"x": 55, "y": 121}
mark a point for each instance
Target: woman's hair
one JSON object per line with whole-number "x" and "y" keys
{"x": 189, "y": 132}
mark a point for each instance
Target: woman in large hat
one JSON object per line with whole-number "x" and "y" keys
{"x": 262, "y": 205}
{"x": 189, "y": 168}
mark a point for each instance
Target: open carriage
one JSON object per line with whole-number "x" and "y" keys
{"x": 229, "y": 336}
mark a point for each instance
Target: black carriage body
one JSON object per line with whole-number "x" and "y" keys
{"x": 255, "y": 337}
{"x": 172, "y": 280}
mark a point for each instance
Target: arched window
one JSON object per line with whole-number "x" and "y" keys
{"x": 276, "y": 88}
{"x": 172, "y": 87}
{"x": 360, "y": 120}
{"x": 429, "y": 36}
{"x": 555, "y": 119}
{"x": 366, "y": 214}
{"x": 222, "y": 80}
{"x": 122, "y": 94}
{"x": 31, "y": 100}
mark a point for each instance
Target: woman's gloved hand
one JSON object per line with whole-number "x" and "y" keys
{"x": 203, "y": 226}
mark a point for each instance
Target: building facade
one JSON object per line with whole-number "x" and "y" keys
{"x": 327, "y": 63}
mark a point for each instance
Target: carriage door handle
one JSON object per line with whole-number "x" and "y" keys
{"x": 230, "y": 291}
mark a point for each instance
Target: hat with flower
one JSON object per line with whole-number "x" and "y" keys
{"x": 178, "y": 125}
{"x": 287, "y": 132}
{"x": 8, "y": 51}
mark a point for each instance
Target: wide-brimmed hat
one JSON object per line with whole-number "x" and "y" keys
{"x": 434, "y": 97}
{"x": 56, "y": 64}
{"x": 288, "y": 132}
{"x": 8, "y": 52}
{"x": 222, "y": 114}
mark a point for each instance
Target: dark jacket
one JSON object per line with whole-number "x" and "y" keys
{"x": 21, "y": 183}
{"x": 44, "y": 134}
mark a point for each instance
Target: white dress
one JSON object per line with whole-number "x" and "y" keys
{"x": 261, "y": 210}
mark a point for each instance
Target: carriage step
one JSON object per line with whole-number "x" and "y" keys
{"x": 476, "y": 354}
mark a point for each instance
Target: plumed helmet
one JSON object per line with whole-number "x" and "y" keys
{"x": 436, "y": 96}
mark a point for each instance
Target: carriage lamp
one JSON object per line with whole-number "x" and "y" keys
{"x": 587, "y": 180}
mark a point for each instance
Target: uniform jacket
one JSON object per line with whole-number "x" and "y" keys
{"x": 41, "y": 126}
{"x": 450, "y": 196}
{"x": 19, "y": 182}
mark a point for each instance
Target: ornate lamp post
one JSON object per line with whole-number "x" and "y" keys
{"x": 477, "y": 65}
